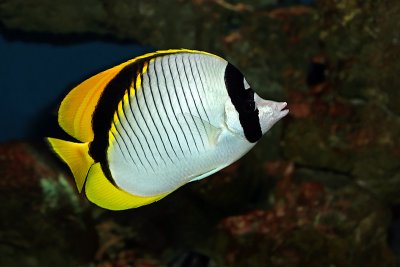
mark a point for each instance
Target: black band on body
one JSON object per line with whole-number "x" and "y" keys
{"x": 243, "y": 101}
{"x": 104, "y": 113}
{"x": 107, "y": 106}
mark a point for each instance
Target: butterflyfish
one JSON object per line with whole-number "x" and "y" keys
{"x": 156, "y": 122}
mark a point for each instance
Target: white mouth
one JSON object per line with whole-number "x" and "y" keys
{"x": 275, "y": 110}
{"x": 283, "y": 111}
{"x": 270, "y": 113}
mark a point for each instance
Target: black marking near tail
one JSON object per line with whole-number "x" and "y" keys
{"x": 104, "y": 113}
{"x": 108, "y": 104}
{"x": 106, "y": 107}
{"x": 243, "y": 101}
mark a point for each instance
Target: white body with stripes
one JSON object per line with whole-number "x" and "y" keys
{"x": 173, "y": 128}
{"x": 156, "y": 122}
{"x": 179, "y": 125}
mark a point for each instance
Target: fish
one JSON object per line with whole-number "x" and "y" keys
{"x": 154, "y": 123}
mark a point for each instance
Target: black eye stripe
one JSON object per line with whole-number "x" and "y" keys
{"x": 249, "y": 106}
{"x": 241, "y": 99}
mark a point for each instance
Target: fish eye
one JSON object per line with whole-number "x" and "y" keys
{"x": 249, "y": 106}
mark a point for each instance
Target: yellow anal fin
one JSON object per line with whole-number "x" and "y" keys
{"x": 77, "y": 157}
{"x": 77, "y": 108}
{"x": 103, "y": 193}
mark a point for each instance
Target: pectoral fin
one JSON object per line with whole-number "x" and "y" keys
{"x": 195, "y": 122}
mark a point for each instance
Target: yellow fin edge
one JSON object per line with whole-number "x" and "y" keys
{"x": 103, "y": 193}
{"x": 76, "y": 156}
{"x": 77, "y": 108}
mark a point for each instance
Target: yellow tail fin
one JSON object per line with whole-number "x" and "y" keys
{"x": 77, "y": 157}
{"x": 101, "y": 192}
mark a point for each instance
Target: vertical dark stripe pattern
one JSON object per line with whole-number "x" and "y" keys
{"x": 159, "y": 73}
{"x": 125, "y": 145}
{"x": 137, "y": 125}
{"x": 243, "y": 101}
{"x": 187, "y": 104}
{"x": 185, "y": 71}
{"x": 150, "y": 89}
{"x": 134, "y": 134}
{"x": 107, "y": 105}
{"x": 104, "y": 112}
{"x": 171, "y": 106}
{"x": 141, "y": 109}
{"x": 197, "y": 90}
{"x": 179, "y": 102}
{"x": 124, "y": 135}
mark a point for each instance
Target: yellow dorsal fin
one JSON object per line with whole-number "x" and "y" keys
{"x": 77, "y": 157}
{"x": 76, "y": 110}
{"x": 103, "y": 193}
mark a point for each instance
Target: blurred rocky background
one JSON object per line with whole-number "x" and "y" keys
{"x": 321, "y": 189}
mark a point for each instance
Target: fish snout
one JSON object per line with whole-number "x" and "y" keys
{"x": 270, "y": 112}
{"x": 275, "y": 109}
{"x": 282, "y": 110}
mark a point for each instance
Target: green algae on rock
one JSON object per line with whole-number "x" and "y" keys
{"x": 41, "y": 224}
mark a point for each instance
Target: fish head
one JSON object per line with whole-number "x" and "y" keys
{"x": 251, "y": 116}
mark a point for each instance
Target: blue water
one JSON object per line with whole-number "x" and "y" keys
{"x": 34, "y": 76}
